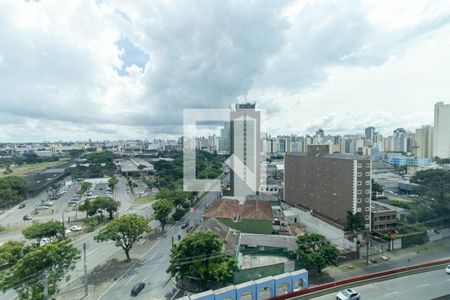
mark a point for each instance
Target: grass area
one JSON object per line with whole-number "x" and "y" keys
{"x": 142, "y": 200}
{"x": 27, "y": 168}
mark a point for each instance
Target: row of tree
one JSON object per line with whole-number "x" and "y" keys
{"x": 27, "y": 268}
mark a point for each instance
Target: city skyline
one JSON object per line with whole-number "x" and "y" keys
{"x": 342, "y": 67}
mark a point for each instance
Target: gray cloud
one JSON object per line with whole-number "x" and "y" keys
{"x": 63, "y": 67}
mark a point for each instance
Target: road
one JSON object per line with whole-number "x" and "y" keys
{"x": 426, "y": 285}
{"x": 97, "y": 253}
{"x": 151, "y": 267}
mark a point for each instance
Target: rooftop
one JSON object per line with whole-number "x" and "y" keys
{"x": 268, "y": 240}
{"x": 250, "y": 210}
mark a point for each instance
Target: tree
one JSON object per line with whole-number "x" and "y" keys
{"x": 106, "y": 203}
{"x": 355, "y": 222}
{"x": 88, "y": 207}
{"x": 27, "y": 276}
{"x": 84, "y": 187}
{"x": 48, "y": 229}
{"x": 10, "y": 252}
{"x": 199, "y": 255}
{"x": 314, "y": 251}
{"x": 162, "y": 210}
{"x": 434, "y": 189}
{"x": 112, "y": 182}
{"x": 376, "y": 189}
{"x": 124, "y": 231}
{"x": 13, "y": 190}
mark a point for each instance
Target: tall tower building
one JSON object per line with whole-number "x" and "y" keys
{"x": 245, "y": 145}
{"x": 441, "y": 130}
{"x": 424, "y": 142}
{"x": 370, "y": 134}
{"x": 400, "y": 140}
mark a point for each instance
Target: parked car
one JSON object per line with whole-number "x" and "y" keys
{"x": 22, "y": 205}
{"x": 447, "y": 269}
{"x": 348, "y": 294}
{"x": 42, "y": 207}
{"x": 48, "y": 203}
{"x": 137, "y": 288}
{"x": 185, "y": 225}
{"x": 43, "y": 241}
{"x": 75, "y": 228}
{"x": 27, "y": 218}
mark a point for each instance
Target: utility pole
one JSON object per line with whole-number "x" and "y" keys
{"x": 85, "y": 270}
{"x": 367, "y": 247}
{"x": 46, "y": 274}
{"x": 62, "y": 220}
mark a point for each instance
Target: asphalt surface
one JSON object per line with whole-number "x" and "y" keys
{"x": 420, "y": 286}
{"x": 151, "y": 268}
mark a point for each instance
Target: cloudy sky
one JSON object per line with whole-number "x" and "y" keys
{"x": 125, "y": 69}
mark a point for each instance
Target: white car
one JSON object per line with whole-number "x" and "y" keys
{"x": 447, "y": 269}
{"x": 75, "y": 228}
{"x": 348, "y": 294}
{"x": 48, "y": 203}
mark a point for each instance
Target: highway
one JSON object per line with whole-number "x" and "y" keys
{"x": 152, "y": 266}
{"x": 427, "y": 285}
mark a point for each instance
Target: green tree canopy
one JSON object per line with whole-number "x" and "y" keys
{"x": 314, "y": 251}
{"x": 434, "y": 188}
{"x": 112, "y": 182}
{"x": 28, "y": 274}
{"x": 355, "y": 222}
{"x": 12, "y": 191}
{"x": 200, "y": 255}
{"x": 10, "y": 252}
{"x": 124, "y": 231}
{"x": 100, "y": 203}
{"x": 84, "y": 187}
{"x": 162, "y": 210}
{"x": 38, "y": 231}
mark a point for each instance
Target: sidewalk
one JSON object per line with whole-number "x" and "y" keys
{"x": 396, "y": 259}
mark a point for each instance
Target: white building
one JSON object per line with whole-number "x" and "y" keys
{"x": 441, "y": 131}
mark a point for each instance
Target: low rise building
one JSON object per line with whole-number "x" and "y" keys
{"x": 253, "y": 216}
{"x": 383, "y": 217}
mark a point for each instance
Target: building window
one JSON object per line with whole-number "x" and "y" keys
{"x": 367, "y": 200}
{"x": 359, "y": 174}
{"x": 368, "y": 174}
{"x": 359, "y": 182}
{"x": 367, "y": 192}
{"x": 366, "y": 217}
{"x": 359, "y": 165}
{"x": 367, "y": 182}
{"x": 359, "y": 200}
{"x": 358, "y": 209}
{"x": 367, "y": 209}
{"x": 367, "y": 165}
{"x": 359, "y": 192}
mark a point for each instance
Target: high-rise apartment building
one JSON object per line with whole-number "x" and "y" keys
{"x": 400, "y": 140}
{"x": 327, "y": 184}
{"x": 424, "y": 142}
{"x": 370, "y": 135}
{"x": 441, "y": 130}
{"x": 245, "y": 144}
{"x": 224, "y": 141}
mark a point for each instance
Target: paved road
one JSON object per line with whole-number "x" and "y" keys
{"x": 151, "y": 268}
{"x": 426, "y": 285}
